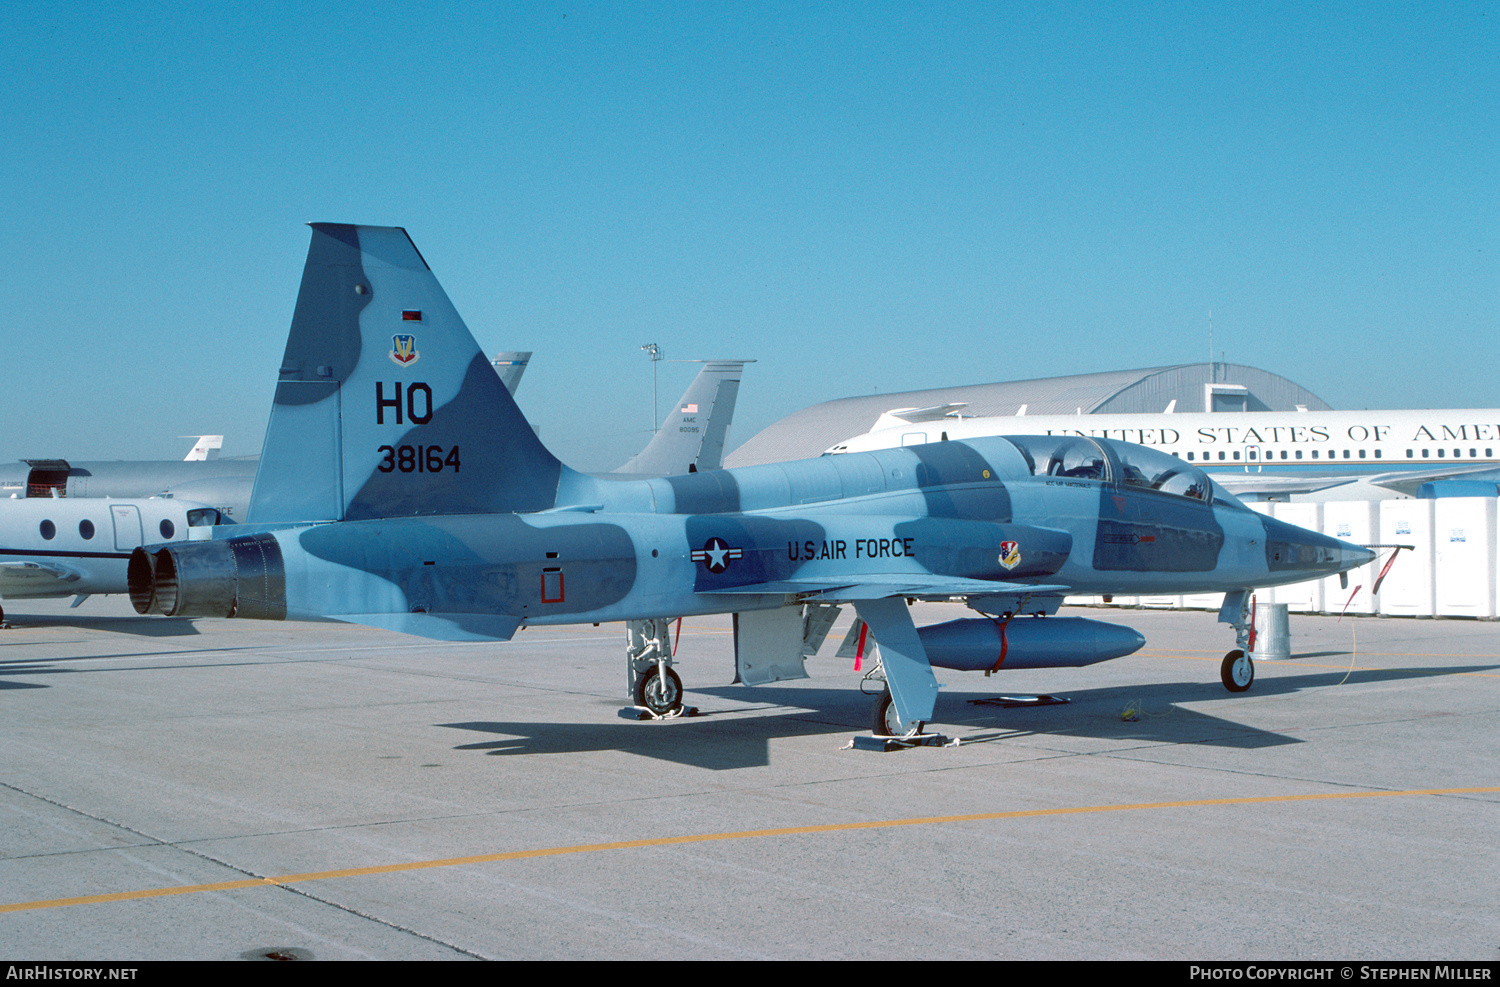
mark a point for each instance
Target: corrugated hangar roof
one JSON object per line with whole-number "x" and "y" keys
{"x": 808, "y": 432}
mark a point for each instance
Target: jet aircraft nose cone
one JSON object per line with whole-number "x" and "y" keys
{"x": 1290, "y": 549}
{"x": 1354, "y": 556}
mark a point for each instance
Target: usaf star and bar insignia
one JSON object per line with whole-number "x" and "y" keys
{"x": 716, "y": 555}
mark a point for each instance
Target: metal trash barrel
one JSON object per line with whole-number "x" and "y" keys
{"x": 1273, "y": 634}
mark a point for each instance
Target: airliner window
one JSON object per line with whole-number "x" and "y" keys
{"x": 1152, "y": 470}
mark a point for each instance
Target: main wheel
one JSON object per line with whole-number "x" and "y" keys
{"x": 659, "y": 696}
{"x": 886, "y": 722}
{"x": 1237, "y": 671}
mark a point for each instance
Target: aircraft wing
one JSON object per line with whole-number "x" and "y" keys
{"x": 29, "y": 577}
{"x": 1242, "y": 484}
{"x": 880, "y": 586}
{"x": 1408, "y": 482}
{"x": 1401, "y": 481}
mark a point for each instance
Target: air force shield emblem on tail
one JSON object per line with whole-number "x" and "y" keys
{"x": 404, "y": 349}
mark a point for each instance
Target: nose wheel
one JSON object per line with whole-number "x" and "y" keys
{"x": 1237, "y": 671}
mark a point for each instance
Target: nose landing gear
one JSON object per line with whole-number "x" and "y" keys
{"x": 1237, "y": 671}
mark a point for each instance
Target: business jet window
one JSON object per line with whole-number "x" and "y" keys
{"x": 167, "y": 528}
{"x": 48, "y": 530}
{"x": 86, "y": 529}
{"x": 1153, "y": 470}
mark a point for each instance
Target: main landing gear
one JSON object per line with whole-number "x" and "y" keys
{"x": 650, "y": 682}
{"x": 888, "y": 733}
{"x": 659, "y": 691}
{"x": 884, "y": 722}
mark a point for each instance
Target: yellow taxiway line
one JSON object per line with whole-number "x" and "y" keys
{"x": 286, "y": 879}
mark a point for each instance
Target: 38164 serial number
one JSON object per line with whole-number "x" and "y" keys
{"x": 418, "y": 459}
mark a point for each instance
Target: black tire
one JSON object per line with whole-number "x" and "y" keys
{"x": 659, "y": 697}
{"x": 885, "y": 722}
{"x": 1237, "y": 671}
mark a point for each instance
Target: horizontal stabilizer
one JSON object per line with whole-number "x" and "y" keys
{"x": 911, "y": 416}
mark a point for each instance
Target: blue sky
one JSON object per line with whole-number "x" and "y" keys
{"x": 863, "y": 197}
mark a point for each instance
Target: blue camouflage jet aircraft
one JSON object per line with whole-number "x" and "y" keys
{"x": 401, "y": 487}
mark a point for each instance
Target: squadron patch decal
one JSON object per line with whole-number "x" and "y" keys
{"x": 1010, "y": 554}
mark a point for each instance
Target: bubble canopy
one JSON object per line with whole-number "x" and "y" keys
{"x": 1082, "y": 457}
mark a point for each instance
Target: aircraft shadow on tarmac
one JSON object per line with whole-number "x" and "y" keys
{"x": 741, "y": 738}
{"x": 14, "y": 637}
{"x": 716, "y": 740}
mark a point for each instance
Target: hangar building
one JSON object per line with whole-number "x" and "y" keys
{"x": 1186, "y": 387}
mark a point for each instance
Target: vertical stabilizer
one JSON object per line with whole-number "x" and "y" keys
{"x": 510, "y": 366}
{"x": 385, "y": 406}
{"x": 692, "y": 436}
{"x": 207, "y": 447}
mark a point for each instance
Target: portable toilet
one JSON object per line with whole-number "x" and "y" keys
{"x": 1464, "y": 555}
{"x": 1408, "y": 587}
{"x": 1356, "y": 521}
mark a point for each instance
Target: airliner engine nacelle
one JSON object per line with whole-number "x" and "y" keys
{"x": 979, "y": 644}
{"x": 235, "y": 577}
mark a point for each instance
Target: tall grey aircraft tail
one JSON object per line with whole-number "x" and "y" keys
{"x": 382, "y": 380}
{"x": 692, "y": 436}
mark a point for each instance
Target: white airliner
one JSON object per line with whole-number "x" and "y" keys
{"x": 1397, "y": 450}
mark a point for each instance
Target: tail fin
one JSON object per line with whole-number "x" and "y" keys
{"x": 385, "y": 406}
{"x": 692, "y": 437}
{"x": 207, "y": 447}
{"x": 510, "y": 367}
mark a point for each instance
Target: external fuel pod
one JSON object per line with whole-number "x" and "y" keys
{"x": 979, "y": 644}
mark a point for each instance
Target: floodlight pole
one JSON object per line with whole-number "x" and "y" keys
{"x": 655, "y": 353}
